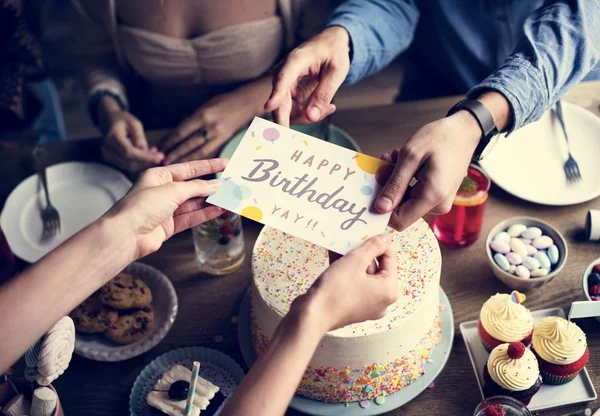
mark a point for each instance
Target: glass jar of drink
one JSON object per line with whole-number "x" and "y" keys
{"x": 510, "y": 406}
{"x": 461, "y": 226}
{"x": 219, "y": 244}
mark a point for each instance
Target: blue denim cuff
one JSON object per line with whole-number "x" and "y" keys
{"x": 358, "y": 46}
{"x": 523, "y": 86}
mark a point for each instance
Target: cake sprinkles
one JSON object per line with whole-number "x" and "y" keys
{"x": 362, "y": 361}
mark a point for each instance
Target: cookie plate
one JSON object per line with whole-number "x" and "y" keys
{"x": 548, "y": 397}
{"x": 164, "y": 303}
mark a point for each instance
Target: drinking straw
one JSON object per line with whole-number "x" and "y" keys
{"x": 7, "y": 378}
{"x": 192, "y": 389}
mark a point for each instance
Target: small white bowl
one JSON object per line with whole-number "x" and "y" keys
{"x": 514, "y": 282}
{"x": 587, "y": 272}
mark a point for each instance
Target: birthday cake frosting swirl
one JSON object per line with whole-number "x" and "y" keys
{"x": 364, "y": 360}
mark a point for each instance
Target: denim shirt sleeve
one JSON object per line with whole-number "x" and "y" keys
{"x": 379, "y": 30}
{"x": 561, "y": 44}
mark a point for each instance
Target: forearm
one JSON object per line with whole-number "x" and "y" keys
{"x": 35, "y": 300}
{"x": 561, "y": 44}
{"x": 272, "y": 381}
{"x": 255, "y": 93}
{"x": 379, "y": 31}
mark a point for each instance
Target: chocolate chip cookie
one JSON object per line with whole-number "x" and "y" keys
{"x": 126, "y": 292}
{"x": 92, "y": 316}
{"x": 131, "y": 326}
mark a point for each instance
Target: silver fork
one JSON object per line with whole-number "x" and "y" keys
{"x": 50, "y": 217}
{"x": 571, "y": 167}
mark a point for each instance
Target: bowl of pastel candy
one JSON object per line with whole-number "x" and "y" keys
{"x": 591, "y": 282}
{"x": 526, "y": 253}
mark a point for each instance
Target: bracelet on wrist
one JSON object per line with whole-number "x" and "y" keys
{"x": 94, "y": 102}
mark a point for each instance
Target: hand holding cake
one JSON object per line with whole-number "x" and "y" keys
{"x": 339, "y": 308}
{"x": 324, "y": 307}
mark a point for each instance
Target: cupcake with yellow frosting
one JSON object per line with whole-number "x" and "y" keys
{"x": 561, "y": 349}
{"x": 512, "y": 370}
{"x": 503, "y": 319}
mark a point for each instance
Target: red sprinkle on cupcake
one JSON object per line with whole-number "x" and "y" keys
{"x": 516, "y": 350}
{"x": 494, "y": 410}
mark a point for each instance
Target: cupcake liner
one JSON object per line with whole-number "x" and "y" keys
{"x": 215, "y": 367}
{"x": 557, "y": 380}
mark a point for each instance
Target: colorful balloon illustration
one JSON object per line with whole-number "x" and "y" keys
{"x": 271, "y": 134}
{"x": 226, "y": 195}
{"x": 252, "y": 212}
{"x": 368, "y": 163}
{"x": 242, "y": 192}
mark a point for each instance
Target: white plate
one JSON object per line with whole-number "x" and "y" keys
{"x": 81, "y": 192}
{"x": 164, "y": 303}
{"x": 529, "y": 163}
{"x": 548, "y": 397}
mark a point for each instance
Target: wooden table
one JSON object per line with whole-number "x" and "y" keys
{"x": 208, "y": 304}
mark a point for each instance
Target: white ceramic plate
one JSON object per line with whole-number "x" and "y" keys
{"x": 548, "y": 397}
{"x": 81, "y": 192}
{"x": 529, "y": 162}
{"x": 164, "y": 303}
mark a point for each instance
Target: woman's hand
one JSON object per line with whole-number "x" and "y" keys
{"x": 345, "y": 293}
{"x": 165, "y": 201}
{"x": 202, "y": 134}
{"x": 125, "y": 143}
{"x": 305, "y": 83}
{"x": 349, "y": 291}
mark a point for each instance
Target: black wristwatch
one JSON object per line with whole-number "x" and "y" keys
{"x": 485, "y": 120}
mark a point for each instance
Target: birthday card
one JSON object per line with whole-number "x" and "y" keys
{"x": 304, "y": 186}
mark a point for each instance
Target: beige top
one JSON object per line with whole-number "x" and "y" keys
{"x": 178, "y": 70}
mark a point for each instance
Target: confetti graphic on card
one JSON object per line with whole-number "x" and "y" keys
{"x": 252, "y": 212}
{"x": 270, "y": 134}
{"x": 309, "y": 188}
{"x": 366, "y": 190}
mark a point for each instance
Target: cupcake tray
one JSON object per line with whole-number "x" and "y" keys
{"x": 548, "y": 397}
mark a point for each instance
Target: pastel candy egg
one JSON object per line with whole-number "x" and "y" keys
{"x": 539, "y": 273}
{"x": 531, "y": 250}
{"x": 514, "y": 258}
{"x": 512, "y": 269}
{"x": 542, "y": 242}
{"x": 543, "y": 259}
{"x": 502, "y": 261}
{"x": 531, "y": 263}
{"x": 502, "y": 237}
{"x": 500, "y": 247}
{"x": 526, "y": 241}
{"x": 553, "y": 254}
{"x": 522, "y": 272}
{"x": 516, "y": 230}
{"x": 532, "y": 233}
{"x": 518, "y": 247}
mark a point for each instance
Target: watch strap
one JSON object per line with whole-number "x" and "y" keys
{"x": 484, "y": 119}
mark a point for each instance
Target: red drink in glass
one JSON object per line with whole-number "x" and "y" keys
{"x": 461, "y": 226}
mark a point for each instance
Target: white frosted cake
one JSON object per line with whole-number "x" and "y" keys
{"x": 360, "y": 361}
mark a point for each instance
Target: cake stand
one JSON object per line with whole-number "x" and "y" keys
{"x": 439, "y": 358}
